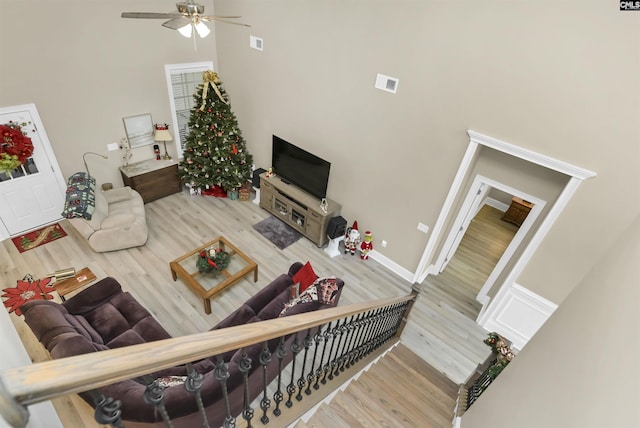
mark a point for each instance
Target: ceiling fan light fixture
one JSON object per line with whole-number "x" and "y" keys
{"x": 202, "y": 29}
{"x": 186, "y": 30}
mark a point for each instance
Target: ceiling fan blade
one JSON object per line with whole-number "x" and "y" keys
{"x": 176, "y": 23}
{"x": 216, "y": 19}
{"x": 151, "y": 15}
{"x": 212, "y": 17}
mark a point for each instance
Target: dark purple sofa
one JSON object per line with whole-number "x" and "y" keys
{"x": 104, "y": 317}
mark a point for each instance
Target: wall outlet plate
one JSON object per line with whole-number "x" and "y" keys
{"x": 113, "y": 146}
{"x": 423, "y": 227}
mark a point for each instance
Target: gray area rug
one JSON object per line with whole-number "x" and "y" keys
{"x": 280, "y": 234}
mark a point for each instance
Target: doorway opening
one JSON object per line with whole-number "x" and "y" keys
{"x": 484, "y": 237}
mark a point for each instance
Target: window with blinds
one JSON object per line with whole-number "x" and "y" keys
{"x": 182, "y": 82}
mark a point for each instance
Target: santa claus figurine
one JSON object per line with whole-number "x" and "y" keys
{"x": 366, "y": 246}
{"x": 352, "y": 239}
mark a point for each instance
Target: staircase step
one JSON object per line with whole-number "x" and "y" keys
{"x": 403, "y": 355}
{"x": 399, "y": 390}
{"x": 417, "y": 390}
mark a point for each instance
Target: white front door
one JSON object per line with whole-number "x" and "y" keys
{"x": 33, "y": 194}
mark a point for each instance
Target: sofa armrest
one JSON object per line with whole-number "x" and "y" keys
{"x": 92, "y": 297}
{"x": 117, "y": 220}
{"x": 118, "y": 194}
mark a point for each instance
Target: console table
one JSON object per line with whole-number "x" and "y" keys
{"x": 297, "y": 208}
{"x": 153, "y": 179}
{"x": 518, "y": 211}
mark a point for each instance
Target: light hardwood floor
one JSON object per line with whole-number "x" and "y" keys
{"x": 442, "y": 328}
{"x": 179, "y": 223}
{"x": 399, "y": 390}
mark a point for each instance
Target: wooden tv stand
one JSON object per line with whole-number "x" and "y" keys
{"x": 297, "y": 208}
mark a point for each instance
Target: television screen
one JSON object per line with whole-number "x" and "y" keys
{"x": 299, "y": 167}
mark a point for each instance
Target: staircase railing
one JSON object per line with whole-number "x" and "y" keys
{"x": 332, "y": 340}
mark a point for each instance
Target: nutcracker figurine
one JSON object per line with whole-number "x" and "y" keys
{"x": 352, "y": 239}
{"x": 366, "y": 246}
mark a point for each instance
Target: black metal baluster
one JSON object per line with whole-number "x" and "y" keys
{"x": 107, "y": 411}
{"x": 221, "y": 373}
{"x": 193, "y": 384}
{"x": 355, "y": 338}
{"x": 281, "y": 352}
{"x": 375, "y": 324}
{"x": 327, "y": 366}
{"x": 154, "y": 395}
{"x": 344, "y": 358}
{"x": 338, "y": 334}
{"x": 383, "y": 327}
{"x": 317, "y": 338}
{"x": 380, "y": 322}
{"x": 348, "y": 334}
{"x": 307, "y": 342}
{"x": 291, "y": 388}
{"x": 324, "y": 337}
{"x": 340, "y": 348}
{"x": 244, "y": 366}
{"x": 265, "y": 403}
{"x": 362, "y": 333}
{"x": 369, "y": 322}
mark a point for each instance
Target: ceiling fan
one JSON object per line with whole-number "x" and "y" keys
{"x": 187, "y": 20}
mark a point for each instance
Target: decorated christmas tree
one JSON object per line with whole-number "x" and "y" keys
{"x": 215, "y": 153}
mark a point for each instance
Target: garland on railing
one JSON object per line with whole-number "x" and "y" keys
{"x": 15, "y": 146}
{"x": 500, "y": 346}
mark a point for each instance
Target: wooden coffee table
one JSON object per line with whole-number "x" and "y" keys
{"x": 207, "y": 285}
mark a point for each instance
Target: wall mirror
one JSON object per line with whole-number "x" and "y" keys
{"x": 139, "y": 130}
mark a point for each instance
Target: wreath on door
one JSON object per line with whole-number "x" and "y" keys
{"x": 15, "y": 146}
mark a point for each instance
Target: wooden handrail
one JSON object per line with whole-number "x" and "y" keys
{"x": 42, "y": 381}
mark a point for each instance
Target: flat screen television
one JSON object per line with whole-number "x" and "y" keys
{"x": 300, "y": 168}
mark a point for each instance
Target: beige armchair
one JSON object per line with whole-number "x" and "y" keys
{"x": 118, "y": 222}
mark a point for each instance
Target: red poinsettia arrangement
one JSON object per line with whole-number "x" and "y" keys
{"x": 15, "y": 146}
{"x": 25, "y": 290}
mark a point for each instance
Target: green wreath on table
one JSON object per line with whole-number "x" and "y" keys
{"x": 212, "y": 260}
{"x": 15, "y": 146}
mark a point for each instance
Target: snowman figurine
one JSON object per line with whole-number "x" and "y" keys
{"x": 352, "y": 239}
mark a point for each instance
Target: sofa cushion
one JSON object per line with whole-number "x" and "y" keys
{"x": 273, "y": 308}
{"x": 323, "y": 293}
{"x": 269, "y": 292}
{"x": 84, "y": 328}
{"x": 305, "y": 276}
{"x": 240, "y": 316}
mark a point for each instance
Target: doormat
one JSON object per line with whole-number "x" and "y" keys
{"x": 42, "y": 236}
{"x": 276, "y": 231}
{"x": 27, "y": 289}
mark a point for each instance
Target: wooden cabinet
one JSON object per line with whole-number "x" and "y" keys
{"x": 518, "y": 211}
{"x": 297, "y": 208}
{"x": 153, "y": 179}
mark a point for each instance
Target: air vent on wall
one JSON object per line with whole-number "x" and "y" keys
{"x": 386, "y": 83}
{"x": 255, "y": 42}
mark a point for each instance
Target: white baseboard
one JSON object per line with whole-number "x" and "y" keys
{"x": 392, "y": 266}
{"x": 519, "y": 315}
{"x": 495, "y": 204}
{"x": 457, "y": 422}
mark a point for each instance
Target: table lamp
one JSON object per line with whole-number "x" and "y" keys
{"x": 162, "y": 134}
